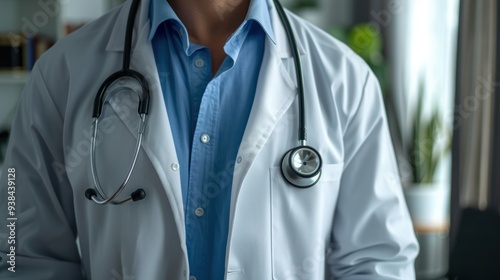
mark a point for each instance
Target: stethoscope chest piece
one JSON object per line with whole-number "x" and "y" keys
{"x": 301, "y": 166}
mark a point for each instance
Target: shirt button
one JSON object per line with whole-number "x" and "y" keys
{"x": 199, "y": 211}
{"x": 199, "y": 63}
{"x": 175, "y": 166}
{"x": 192, "y": 277}
{"x": 205, "y": 138}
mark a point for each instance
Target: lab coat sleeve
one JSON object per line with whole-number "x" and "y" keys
{"x": 372, "y": 234}
{"x": 45, "y": 229}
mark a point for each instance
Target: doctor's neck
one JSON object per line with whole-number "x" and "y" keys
{"x": 205, "y": 19}
{"x": 211, "y": 22}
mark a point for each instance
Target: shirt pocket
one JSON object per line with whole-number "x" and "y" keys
{"x": 301, "y": 223}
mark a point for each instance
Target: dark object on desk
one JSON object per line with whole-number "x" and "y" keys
{"x": 4, "y": 138}
{"x": 476, "y": 255}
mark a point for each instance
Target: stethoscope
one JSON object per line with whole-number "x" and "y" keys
{"x": 300, "y": 166}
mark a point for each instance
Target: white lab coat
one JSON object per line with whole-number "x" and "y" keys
{"x": 352, "y": 225}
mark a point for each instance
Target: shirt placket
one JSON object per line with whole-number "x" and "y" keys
{"x": 202, "y": 156}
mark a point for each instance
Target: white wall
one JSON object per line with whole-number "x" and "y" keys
{"x": 75, "y": 11}
{"x": 9, "y": 19}
{"x": 424, "y": 49}
{"x": 9, "y": 96}
{"x": 327, "y": 14}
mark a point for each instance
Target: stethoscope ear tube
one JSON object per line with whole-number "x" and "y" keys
{"x": 144, "y": 98}
{"x": 138, "y": 194}
{"x": 300, "y": 166}
{"x": 143, "y": 110}
{"x": 125, "y": 71}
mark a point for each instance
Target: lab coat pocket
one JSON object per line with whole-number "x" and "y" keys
{"x": 301, "y": 223}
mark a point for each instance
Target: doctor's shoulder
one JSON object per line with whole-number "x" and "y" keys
{"x": 318, "y": 42}
{"x": 76, "y": 61}
{"x": 81, "y": 49}
{"x": 335, "y": 66}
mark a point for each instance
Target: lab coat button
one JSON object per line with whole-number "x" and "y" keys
{"x": 239, "y": 159}
{"x": 205, "y": 138}
{"x": 175, "y": 166}
{"x": 199, "y": 212}
{"x": 199, "y": 63}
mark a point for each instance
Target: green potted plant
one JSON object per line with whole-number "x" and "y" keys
{"x": 425, "y": 151}
{"x": 367, "y": 42}
{"x": 427, "y": 198}
{"x": 429, "y": 143}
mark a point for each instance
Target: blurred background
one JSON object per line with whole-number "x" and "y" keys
{"x": 438, "y": 66}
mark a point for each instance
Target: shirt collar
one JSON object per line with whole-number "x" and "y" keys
{"x": 161, "y": 11}
{"x": 260, "y": 12}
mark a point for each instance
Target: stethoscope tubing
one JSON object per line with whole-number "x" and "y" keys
{"x": 102, "y": 94}
{"x": 298, "y": 71}
{"x": 95, "y": 176}
{"x": 292, "y": 174}
{"x": 143, "y": 110}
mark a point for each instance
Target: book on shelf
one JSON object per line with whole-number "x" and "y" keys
{"x": 20, "y": 53}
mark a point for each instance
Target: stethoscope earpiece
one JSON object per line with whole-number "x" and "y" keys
{"x": 89, "y": 193}
{"x": 301, "y": 166}
{"x": 139, "y": 194}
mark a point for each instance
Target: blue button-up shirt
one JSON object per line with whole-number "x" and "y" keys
{"x": 208, "y": 115}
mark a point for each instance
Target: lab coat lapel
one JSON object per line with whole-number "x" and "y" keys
{"x": 158, "y": 142}
{"x": 275, "y": 93}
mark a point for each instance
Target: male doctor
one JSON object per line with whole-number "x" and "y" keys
{"x": 223, "y": 112}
